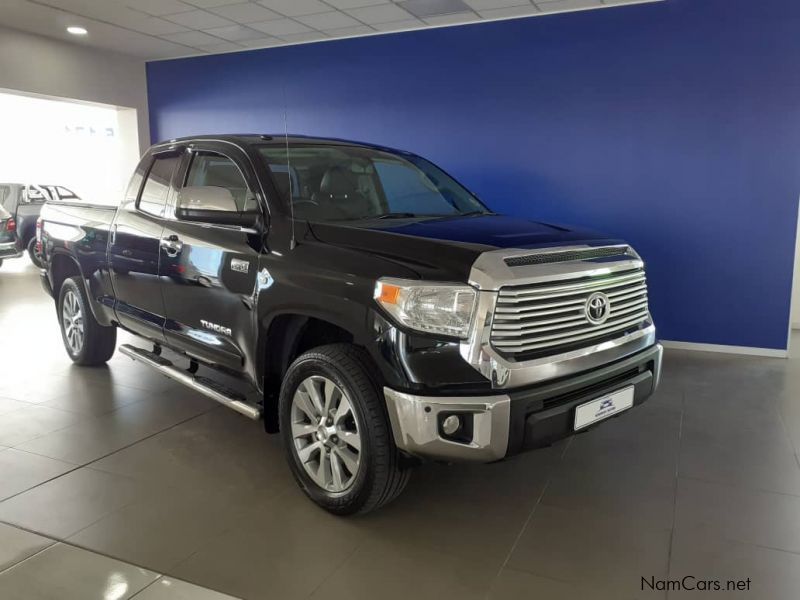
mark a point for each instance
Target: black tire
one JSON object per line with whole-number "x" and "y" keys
{"x": 97, "y": 342}
{"x": 35, "y": 258}
{"x": 380, "y": 476}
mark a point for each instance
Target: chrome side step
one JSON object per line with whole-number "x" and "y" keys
{"x": 207, "y": 387}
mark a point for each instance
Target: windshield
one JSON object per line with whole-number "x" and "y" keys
{"x": 344, "y": 183}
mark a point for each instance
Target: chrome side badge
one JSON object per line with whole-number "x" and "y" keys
{"x": 239, "y": 265}
{"x": 215, "y": 327}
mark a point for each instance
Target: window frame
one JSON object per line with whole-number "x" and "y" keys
{"x": 194, "y": 154}
{"x": 182, "y": 176}
{"x": 170, "y": 184}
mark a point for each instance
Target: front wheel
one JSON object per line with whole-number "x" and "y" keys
{"x": 336, "y": 431}
{"x": 87, "y": 342}
{"x": 34, "y": 253}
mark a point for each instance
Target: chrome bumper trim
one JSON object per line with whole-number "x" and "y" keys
{"x": 415, "y": 419}
{"x": 659, "y": 362}
{"x": 415, "y": 425}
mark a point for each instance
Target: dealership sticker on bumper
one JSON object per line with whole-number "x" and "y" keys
{"x": 604, "y": 407}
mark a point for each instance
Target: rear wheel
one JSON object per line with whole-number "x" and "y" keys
{"x": 336, "y": 432}
{"x": 87, "y": 342}
{"x": 33, "y": 252}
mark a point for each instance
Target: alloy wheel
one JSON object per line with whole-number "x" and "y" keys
{"x": 326, "y": 434}
{"x": 72, "y": 320}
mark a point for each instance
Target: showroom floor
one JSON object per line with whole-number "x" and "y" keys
{"x": 111, "y": 478}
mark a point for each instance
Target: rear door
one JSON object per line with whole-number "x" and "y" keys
{"x": 208, "y": 270}
{"x": 134, "y": 246}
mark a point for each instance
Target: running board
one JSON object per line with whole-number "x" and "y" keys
{"x": 207, "y": 387}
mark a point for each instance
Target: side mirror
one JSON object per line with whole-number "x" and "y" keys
{"x": 212, "y": 204}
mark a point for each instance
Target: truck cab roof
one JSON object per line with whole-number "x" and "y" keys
{"x": 277, "y": 139}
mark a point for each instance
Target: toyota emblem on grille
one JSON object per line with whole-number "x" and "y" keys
{"x": 597, "y": 308}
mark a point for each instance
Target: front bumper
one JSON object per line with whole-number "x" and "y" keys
{"x": 10, "y": 250}
{"x": 497, "y": 426}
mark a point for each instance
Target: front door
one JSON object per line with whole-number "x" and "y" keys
{"x": 208, "y": 270}
{"x": 133, "y": 249}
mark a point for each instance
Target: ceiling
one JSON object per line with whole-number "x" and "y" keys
{"x": 155, "y": 29}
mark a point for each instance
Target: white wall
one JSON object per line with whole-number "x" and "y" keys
{"x": 39, "y": 65}
{"x": 91, "y": 148}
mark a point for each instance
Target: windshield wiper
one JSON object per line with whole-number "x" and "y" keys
{"x": 396, "y": 215}
{"x": 410, "y": 215}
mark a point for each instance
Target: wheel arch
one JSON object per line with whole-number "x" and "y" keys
{"x": 62, "y": 266}
{"x": 286, "y": 336}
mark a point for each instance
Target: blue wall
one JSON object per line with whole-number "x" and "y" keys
{"x": 675, "y": 125}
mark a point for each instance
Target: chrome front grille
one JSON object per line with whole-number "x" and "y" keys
{"x": 551, "y": 317}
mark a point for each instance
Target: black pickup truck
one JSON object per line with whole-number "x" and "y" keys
{"x": 376, "y": 311}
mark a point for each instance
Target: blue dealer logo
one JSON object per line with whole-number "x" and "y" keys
{"x": 606, "y": 407}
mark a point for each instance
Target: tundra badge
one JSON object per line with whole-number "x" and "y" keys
{"x": 215, "y": 327}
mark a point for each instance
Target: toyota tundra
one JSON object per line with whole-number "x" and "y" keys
{"x": 376, "y": 311}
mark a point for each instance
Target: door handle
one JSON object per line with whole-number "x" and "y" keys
{"x": 172, "y": 245}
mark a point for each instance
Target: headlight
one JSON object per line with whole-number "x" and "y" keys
{"x": 433, "y": 308}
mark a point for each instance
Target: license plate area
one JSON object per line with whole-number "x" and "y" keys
{"x": 604, "y": 407}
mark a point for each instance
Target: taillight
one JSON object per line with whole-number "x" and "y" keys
{"x": 11, "y": 224}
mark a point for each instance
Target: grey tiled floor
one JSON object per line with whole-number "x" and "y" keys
{"x": 137, "y": 476}
{"x": 33, "y": 567}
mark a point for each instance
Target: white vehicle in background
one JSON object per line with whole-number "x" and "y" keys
{"x": 23, "y": 202}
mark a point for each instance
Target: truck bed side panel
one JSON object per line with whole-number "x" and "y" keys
{"x": 79, "y": 233}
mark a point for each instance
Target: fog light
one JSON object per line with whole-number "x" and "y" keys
{"x": 451, "y": 424}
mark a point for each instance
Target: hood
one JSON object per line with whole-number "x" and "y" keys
{"x": 445, "y": 248}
